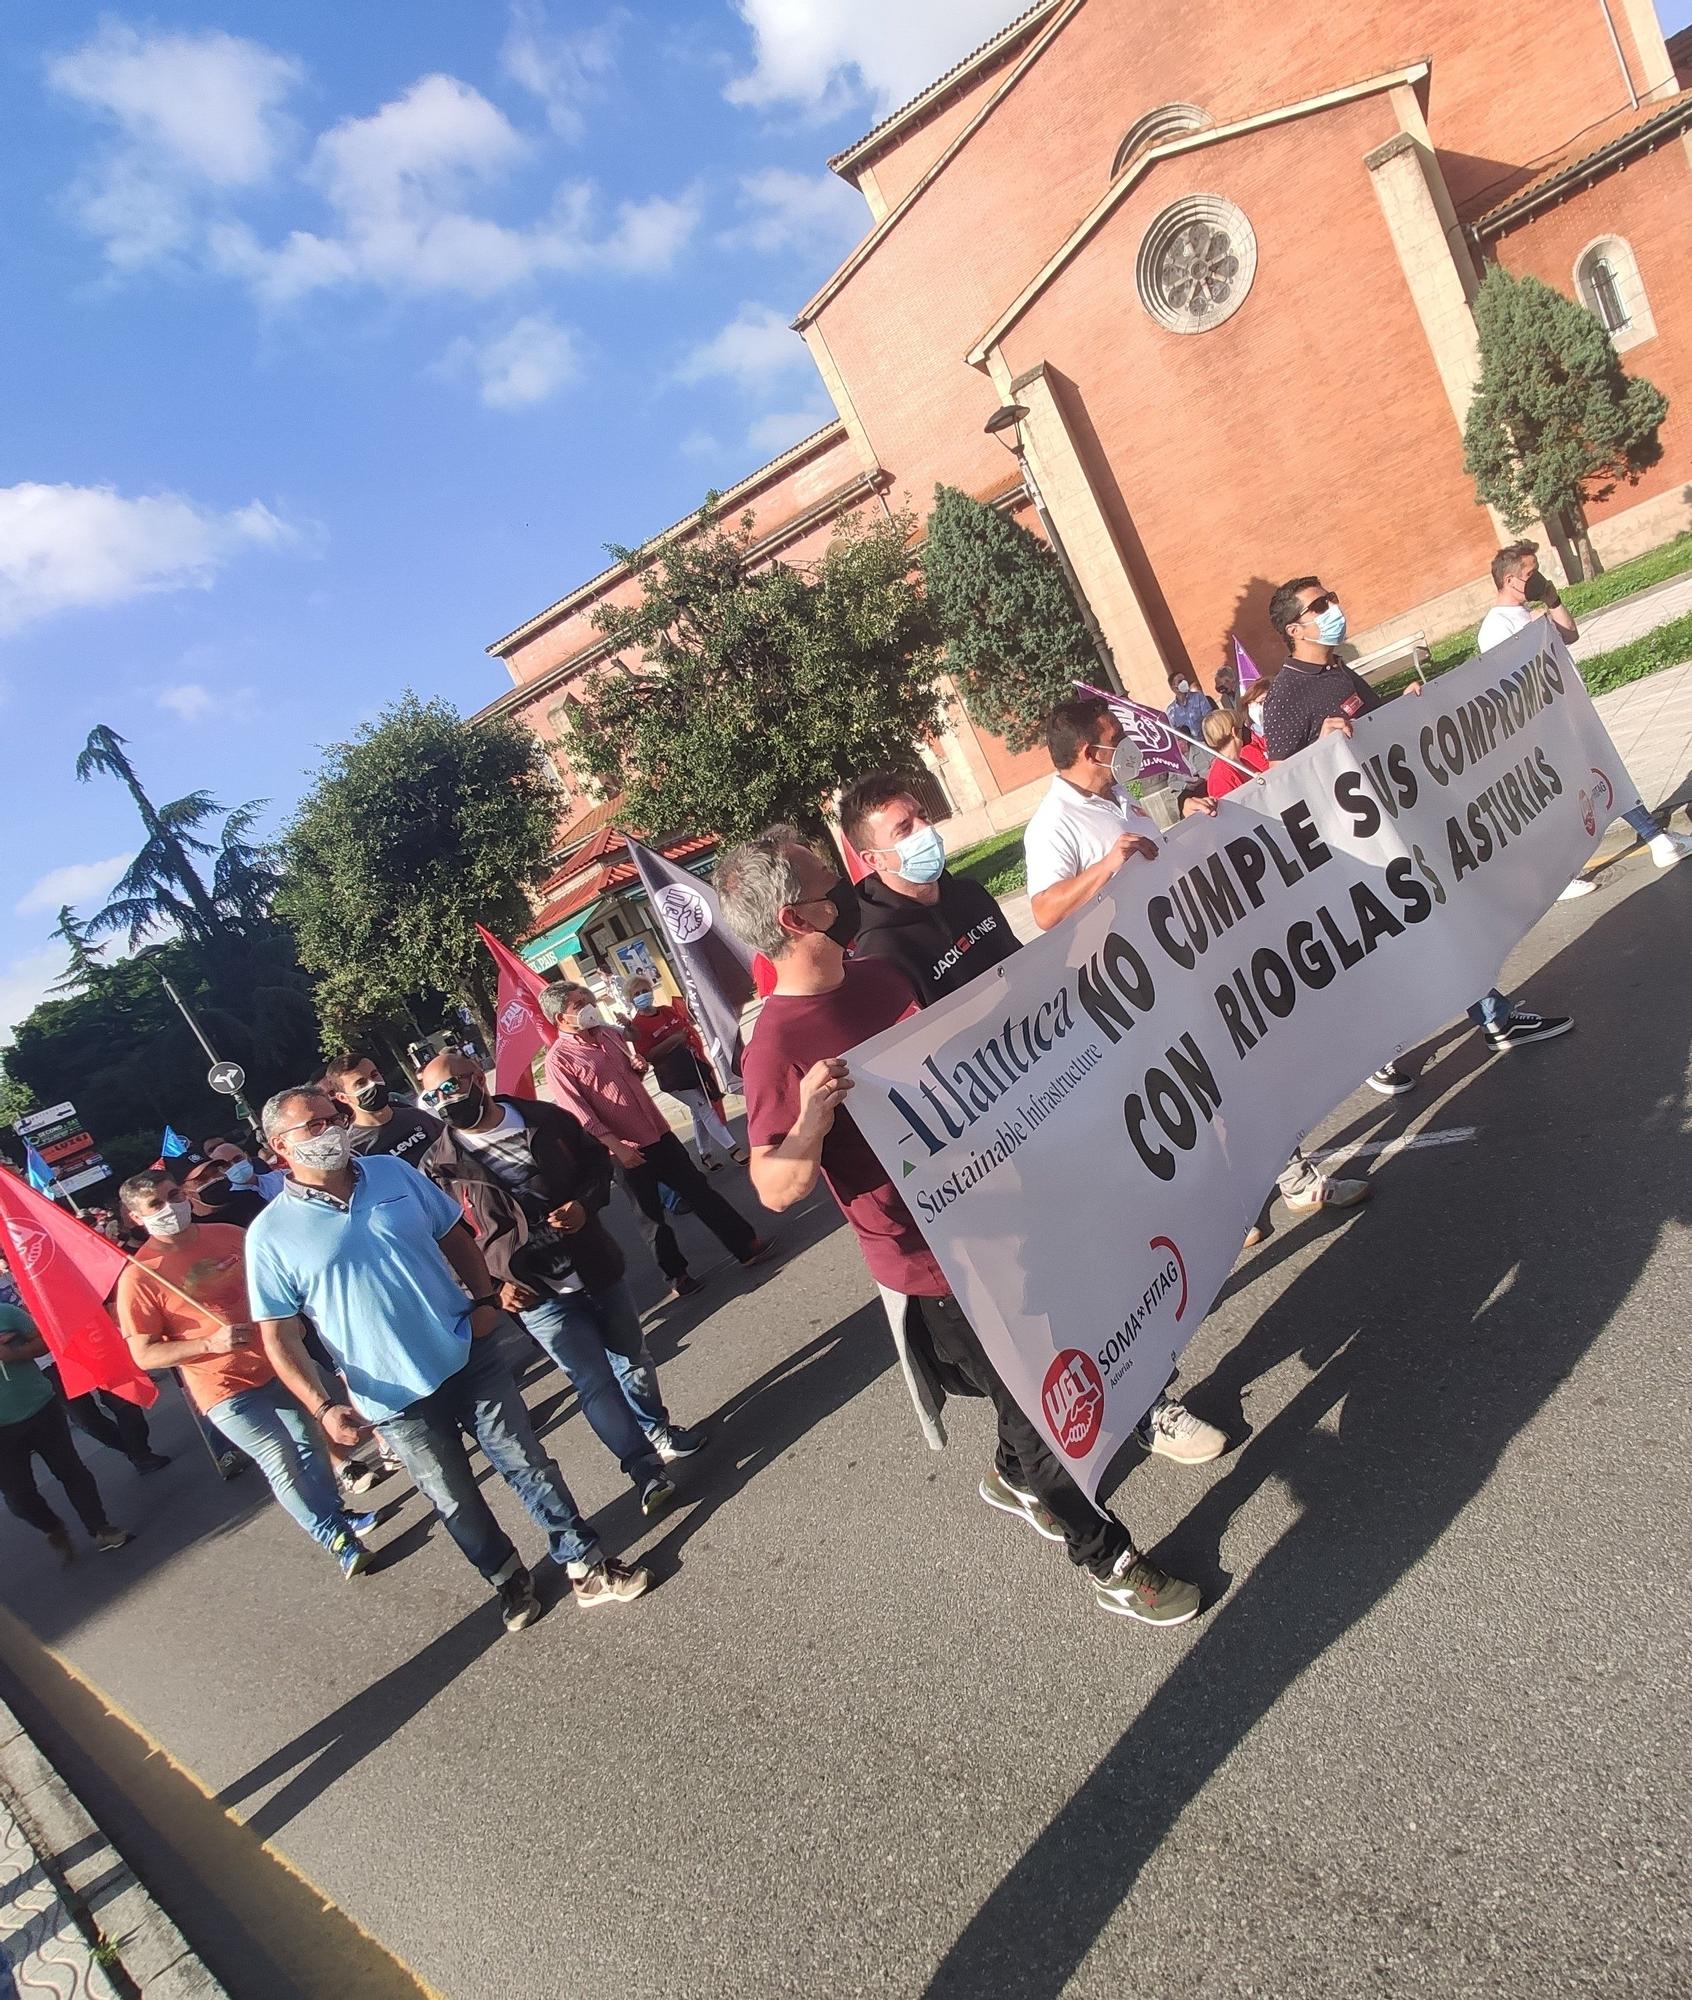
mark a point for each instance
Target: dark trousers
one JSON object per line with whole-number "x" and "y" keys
{"x": 1094, "y": 1538}
{"x": 669, "y": 1163}
{"x": 111, "y": 1421}
{"x": 47, "y": 1436}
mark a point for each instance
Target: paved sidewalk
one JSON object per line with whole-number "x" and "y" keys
{"x": 1650, "y": 722}
{"x": 74, "y": 1922}
{"x": 1633, "y": 617}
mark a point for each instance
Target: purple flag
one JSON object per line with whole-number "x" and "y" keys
{"x": 1247, "y": 666}
{"x": 1149, "y": 732}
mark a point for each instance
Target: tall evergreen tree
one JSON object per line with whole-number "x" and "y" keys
{"x": 1556, "y": 421}
{"x": 84, "y": 970}
{"x": 1014, "y": 638}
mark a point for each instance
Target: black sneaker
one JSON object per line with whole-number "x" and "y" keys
{"x": 679, "y": 1441}
{"x": 1390, "y": 1080}
{"x": 518, "y": 1604}
{"x": 684, "y": 1286}
{"x": 356, "y": 1476}
{"x": 150, "y": 1461}
{"x": 1523, "y": 1027}
{"x": 611, "y": 1582}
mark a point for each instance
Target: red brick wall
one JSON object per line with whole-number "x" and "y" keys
{"x": 1649, "y": 203}
{"x": 1308, "y": 432}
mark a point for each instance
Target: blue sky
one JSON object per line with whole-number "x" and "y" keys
{"x": 337, "y": 341}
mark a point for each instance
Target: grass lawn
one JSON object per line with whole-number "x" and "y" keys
{"x": 996, "y": 863}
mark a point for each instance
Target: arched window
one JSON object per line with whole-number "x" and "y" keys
{"x": 1168, "y": 121}
{"x": 1608, "y": 284}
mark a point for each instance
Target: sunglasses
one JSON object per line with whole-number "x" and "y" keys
{"x": 1318, "y": 605}
{"x": 447, "y": 1092}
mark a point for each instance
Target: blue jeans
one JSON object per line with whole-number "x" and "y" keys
{"x": 1491, "y": 1010}
{"x": 282, "y": 1441}
{"x": 483, "y": 1399}
{"x": 1643, "y": 823}
{"x": 595, "y": 1338}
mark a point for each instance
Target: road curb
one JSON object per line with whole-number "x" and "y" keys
{"x": 77, "y": 1922}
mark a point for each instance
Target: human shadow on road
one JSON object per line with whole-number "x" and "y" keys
{"x": 1433, "y": 1342}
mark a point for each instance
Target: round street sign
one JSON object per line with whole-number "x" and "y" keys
{"x": 227, "y": 1077}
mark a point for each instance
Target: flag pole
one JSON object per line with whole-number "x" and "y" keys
{"x": 1181, "y": 736}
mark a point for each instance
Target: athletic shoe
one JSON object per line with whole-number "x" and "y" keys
{"x": 761, "y": 1252}
{"x": 611, "y": 1582}
{"x": 1390, "y": 1080}
{"x": 738, "y": 1155}
{"x": 150, "y": 1461}
{"x": 1524, "y": 1026}
{"x": 1576, "y": 889}
{"x": 357, "y": 1477}
{"x": 60, "y": 1543}
{"x": 112, "y": 1538}
{"x": 686, "y": 1285}
{"x": 360, "y": 1524}
{"x": 708, "y": 1163}
{"x": 1332, "y": 1194}
{"x": 353, "y": 1559}
{"x": 518, "y": 1604}
{"x": 998, "y": 1492}
{"x": 1668, "y": 848}
{"x": 1176, "y": 1433}
{"x": 656, "y": 1496}
{"x": 679, "y": 1441}
{"x": 1137, "y": 1588}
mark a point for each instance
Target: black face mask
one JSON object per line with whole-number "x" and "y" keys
{"x": 468, "y": 1110}
{"x": 214, "y": 1194}
{"x": 844, "y": 896}
{"x": 372, "y": 1096}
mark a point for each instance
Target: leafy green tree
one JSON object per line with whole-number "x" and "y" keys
{"x": 85, "y": 968}
{"x": 760, "y": 690}
{"x": 1556, "y": 422}
{"x": 1015, "y": 641}
{"x": 412, "y": 834}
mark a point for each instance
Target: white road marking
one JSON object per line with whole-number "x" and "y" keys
{"x": 1386, "y": 1149}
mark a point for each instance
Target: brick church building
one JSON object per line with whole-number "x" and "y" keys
{"x": 1220, "y": 261}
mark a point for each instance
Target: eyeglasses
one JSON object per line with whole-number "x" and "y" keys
{"x": 311, "y": 1127}
{"x": 1318, "y": 605}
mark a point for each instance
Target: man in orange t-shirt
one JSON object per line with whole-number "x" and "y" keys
{"x": 182, "y": 1304}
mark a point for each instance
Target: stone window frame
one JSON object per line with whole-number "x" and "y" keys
{"x": 1617, "y": 253}
{"x": 1166, "y": 121}
{"x": 1217, "y": 212}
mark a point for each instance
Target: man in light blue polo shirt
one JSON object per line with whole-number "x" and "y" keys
{"x": 380, "y": 1260}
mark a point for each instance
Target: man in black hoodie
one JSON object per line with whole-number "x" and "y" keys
{"x": 531, "y": 1183}
{"x": 941, "y": 930}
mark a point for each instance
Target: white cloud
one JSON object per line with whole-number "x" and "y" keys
{"x": 531, "y": 361}
{"x": 755, "y": 349}
{"x": 24, "y": 983}
{"x": 562, "y": 69}
{"x": 771, "y": 435}
{"x": 700, "y": 444}
{"x": 192, "y": 114}
{"x": 65, "y": 547}
{"x": 783, "y": 210}
{"x": 817, "y": 52}
{"x": 193, "y": 701}
{"x": 77, "y": 882}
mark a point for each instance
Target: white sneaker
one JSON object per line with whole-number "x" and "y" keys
{"x": 1332, "y": 1194}
{"x": 1176, "y": 1433}
{"x": 1577, "y": 888}
{"x": 1668, "y": 848}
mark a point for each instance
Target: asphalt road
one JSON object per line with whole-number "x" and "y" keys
{"x": 868, "y": 1737}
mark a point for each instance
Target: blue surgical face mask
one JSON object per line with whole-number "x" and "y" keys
{"x": 641, "y": 1003}
{"x": 922, "y": 855}
{"x": 1330, "y": 625}
{"x": 241, "y": 1174}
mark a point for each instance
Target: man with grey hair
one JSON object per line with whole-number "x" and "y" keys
{"x": 784, "y": 900}
{"x": 592, "y": 1075}
{"x": 381, "y": 1260}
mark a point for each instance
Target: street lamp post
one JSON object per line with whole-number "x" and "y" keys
{"x": 1006, "y": 425}
{"x": 199, "y": 1034}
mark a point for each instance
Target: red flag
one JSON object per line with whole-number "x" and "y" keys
{"x": 522, "y": 1031}
{"x": 65, "y": 1272}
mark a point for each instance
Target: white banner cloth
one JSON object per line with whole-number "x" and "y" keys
{"x": 1085, "y": 1132}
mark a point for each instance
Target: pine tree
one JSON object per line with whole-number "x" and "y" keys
{"x": 1015, "y": 642}
{"x": 83, "y": 972}
{"x": 1556, "y": 422}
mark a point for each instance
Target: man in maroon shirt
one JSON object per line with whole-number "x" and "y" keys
{"x": 788, "y": 903}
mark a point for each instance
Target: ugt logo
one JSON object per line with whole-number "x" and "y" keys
{"x": 515, "y": 1013}
{"x": 1072, "y": 1397}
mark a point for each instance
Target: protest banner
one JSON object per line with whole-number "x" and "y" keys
{"x": 1084, "y": 1133}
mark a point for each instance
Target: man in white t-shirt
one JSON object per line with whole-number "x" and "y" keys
{"x": 1524, "y": 594}
{"x": 1083, "y": 832}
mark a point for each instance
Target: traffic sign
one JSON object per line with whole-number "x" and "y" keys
{"x": 227, "y": 1077}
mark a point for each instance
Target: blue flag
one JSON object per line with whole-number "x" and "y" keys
{"x": 173, "y": 1145}
{"x": 40, "y": 1174}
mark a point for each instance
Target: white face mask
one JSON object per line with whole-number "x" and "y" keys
{"x": 590, "y": 1017}
{"x": 170, "y": 1220}
{"x": 327, "y": 1153}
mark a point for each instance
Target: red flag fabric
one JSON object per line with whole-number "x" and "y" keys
{"x": 65, "y": 1272}
{"x": 522, "y": 1031}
